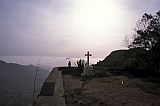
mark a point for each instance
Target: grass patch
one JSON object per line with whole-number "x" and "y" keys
{"x": 109, "y": 91}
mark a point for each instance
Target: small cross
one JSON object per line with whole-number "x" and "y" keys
{"x": 88, "y": 58}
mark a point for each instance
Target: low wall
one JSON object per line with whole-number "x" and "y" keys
{"x": 52, "y": 91}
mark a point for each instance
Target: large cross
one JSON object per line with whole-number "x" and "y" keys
{"x": 88, "y": 58}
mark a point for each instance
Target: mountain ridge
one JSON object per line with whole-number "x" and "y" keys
{"x": 16, "y": 83}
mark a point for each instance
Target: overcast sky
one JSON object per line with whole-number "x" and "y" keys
{"x": 68, "y": 27}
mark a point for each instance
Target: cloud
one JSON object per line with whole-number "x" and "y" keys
{"x": 49, "y": 27}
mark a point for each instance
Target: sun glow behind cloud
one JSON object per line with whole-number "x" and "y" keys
{"x": 95, "y": 23}
{"x": 95, "y": 16}
{"x": 85, "y": 25}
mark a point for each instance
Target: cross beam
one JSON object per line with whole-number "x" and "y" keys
{"x": 88, "y": 58}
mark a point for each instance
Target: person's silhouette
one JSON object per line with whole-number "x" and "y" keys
{"x": 69, "y": 64}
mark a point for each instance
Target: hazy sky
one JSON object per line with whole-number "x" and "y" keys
{"x": 68, "y": 27}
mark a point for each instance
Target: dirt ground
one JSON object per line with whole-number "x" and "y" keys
{"x": 110, "y": 91}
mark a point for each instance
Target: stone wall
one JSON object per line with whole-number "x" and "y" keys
{"x": 52, "y": 91}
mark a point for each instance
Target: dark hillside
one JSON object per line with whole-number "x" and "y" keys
{"x": 16, "y": 83}
{"x": 125, "y": 58}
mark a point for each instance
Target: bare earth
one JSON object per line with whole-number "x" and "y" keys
{"x": 109, "y": 91}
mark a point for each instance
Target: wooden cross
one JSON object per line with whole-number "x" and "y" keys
{"x": 88, "y": 58}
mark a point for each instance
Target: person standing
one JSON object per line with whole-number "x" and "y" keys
{"x": 69, "y": 64}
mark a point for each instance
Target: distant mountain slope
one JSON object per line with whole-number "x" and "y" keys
{"x": 16, "y": 83}
{"x": 125, "y": 58}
